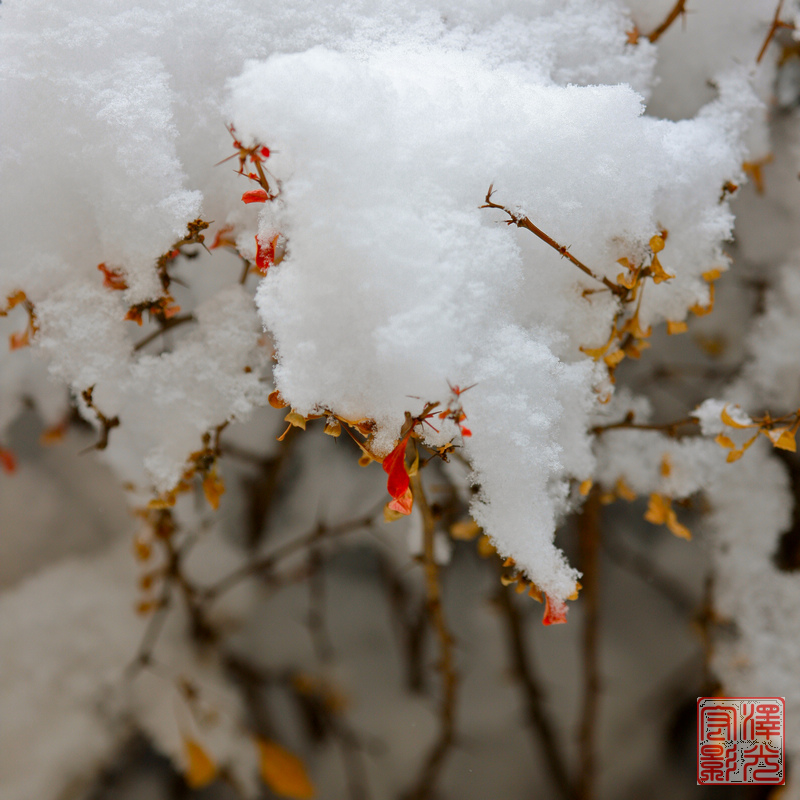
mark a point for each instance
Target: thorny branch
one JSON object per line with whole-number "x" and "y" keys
{"x": 164, "y": 326}
{"x": 678, "y": 10}
{"x": 107, "y": 423}
{"x": 777, "y": 24}
{"x": 524, "y": 222}
{"x": 426, "y": 782}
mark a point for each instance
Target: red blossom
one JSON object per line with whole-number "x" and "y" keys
{"x": 7, "y": 461}
{"x": 113, "y": 278}
{"x": 255, "y": 196}
{"x": 398, "y": 485}
{"x": 265, "y": 256}
{"x": 555, "y": 611}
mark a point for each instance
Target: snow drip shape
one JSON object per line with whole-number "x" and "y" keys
{"x": 396, "y": 281}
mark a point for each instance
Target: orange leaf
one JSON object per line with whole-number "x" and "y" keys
{"x": 276, "y": 400}
{"x": 283, "y": 771}
{"x": 725, "y": 441}
{"x": 200, "y": 770}
{"x": 113, "y": 278}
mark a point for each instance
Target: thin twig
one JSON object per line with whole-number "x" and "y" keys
{"x": 589, "y": 536}
{"x": 166, "y": 325}
{"x": 267, "y": 563}
{"x": 678, "y": 10}
{"x": 670, "y": 428}
{"x": 524, "y": 222}
{"x": 425, "y": 784}
{"x": 538, "y": 720}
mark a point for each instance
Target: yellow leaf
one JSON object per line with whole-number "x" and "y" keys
{"x": 283, "y": 771}
{"x": 782, "y": 438}
{"x": 298, "y": 420}
{"x": 200, "y": 770}
{"x": 730, "y": 421}
{"x": 613, "y": 359}
{"x": 676, "y": 327}
{"x": 213, "y": 489}
{"x": 628, "y": 281}
{"x": 624, "y": 491}
{"x": 333, "y": 427}
{"x": 485, "y": 546}
{"x": 659, "y": 273}
{"x": 725, "y": 441}
{"x": 712, "y": 275}
{"x": 657, "y": 509}
{"x": 676, "y": 528}
{"x": 657, "y": 244}
{"x": 465, "y": 530}
{"x": 586, "y": 487}
{"x": 735, "y": 455}
{"x": 276, "y": 401}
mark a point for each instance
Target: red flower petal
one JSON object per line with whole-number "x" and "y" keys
{"x": 466, "y": 432}
{"x": 265, "y": 256}
{"x": 394, "y": 465}
{"x": 255, "y": 196}
{"x": 403, "y": 504}
{"x": 555, "y": 611}
{"x": 264, "y": 152}
{"x": 7, "y": 461}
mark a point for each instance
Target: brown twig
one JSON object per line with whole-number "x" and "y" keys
{"x": 589, "y": 538}
{"x": 164, "y": 326}
{"x": 538, "y": 720}
{"x": 524, "y": 222}
{"x": 425, "y": 784}
{"x": 678, "y": 10}
{"x": 411, "y": 620}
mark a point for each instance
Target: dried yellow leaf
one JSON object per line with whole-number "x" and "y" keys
{"x": 465, "y": 530}
{"x": 657, "y": 509}
{"x": 676, "y": 528}
{"x": 276, "y": 400}
{"x": 676, "y": 327}
{"x": 586, "y": 487}
{"x": 485, "y": 547}
{"x": 657, "y": 244}
{"x": 333, "y": 427}
{"x": 624, "y": 491}
{"x": 213, "y": 489}
{"x": 666, "y": 465}
{"x": 783, "y": 439}
{"x": 295, "y": 419}
{"x": 201, "y": 769}
{"x": 712, "y": 275}
{"x": 725, "y": 441}
{"x": 283, "y": 772}
{"x": 659, "y": 273}
{"x": 731, "y": 422}
{"x": 613, "y": 359}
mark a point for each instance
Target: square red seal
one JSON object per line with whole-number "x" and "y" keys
{"x": 740, "y": 740}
